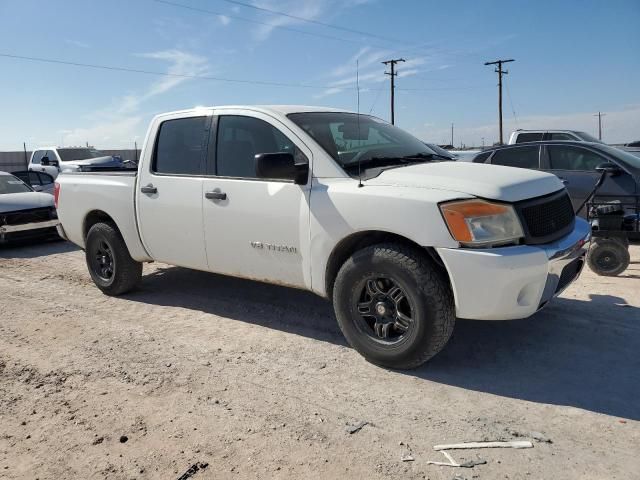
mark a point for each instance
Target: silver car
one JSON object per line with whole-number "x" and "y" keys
{"x": 24, "y": 213}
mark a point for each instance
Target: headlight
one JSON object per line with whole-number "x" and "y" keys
{"x": 481, "y": 223}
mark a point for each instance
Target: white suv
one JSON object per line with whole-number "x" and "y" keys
{"x": 524, "y": 136}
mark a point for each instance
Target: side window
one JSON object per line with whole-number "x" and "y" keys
{"x": 528, "y": 137}
{"x": 37, "y": 156}
{"x": 34, "y": 179}
{"x": 241, "y": 138}
{"x": 482, "y": 157}
{"x": 45, "y": 178}
{"x": 573, "y": 158}
{"x": 521, "y": 157}
{"x": 562, "y": 136}
{"x": 180, "y": 146}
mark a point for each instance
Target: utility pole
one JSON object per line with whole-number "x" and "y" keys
{"x": 451, "y": 134}
{"x": 393, "y": 74}
{"x": 600, "y": 115}
{"x": 500, "y": 72}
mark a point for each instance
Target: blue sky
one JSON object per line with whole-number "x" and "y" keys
{"x": 573, "y": 58}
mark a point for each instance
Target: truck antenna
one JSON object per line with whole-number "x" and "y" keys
{"x": 360, "y": 185}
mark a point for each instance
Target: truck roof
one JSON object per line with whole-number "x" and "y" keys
{"x": 272, "y": 109}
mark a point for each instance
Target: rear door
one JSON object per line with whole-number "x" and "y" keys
{"x": 576, "y": 167}
{"x": 257, "y": 228}
{"x": 169, "y": 196}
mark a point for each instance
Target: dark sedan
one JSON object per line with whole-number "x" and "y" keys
{"x": 575, "y": 164}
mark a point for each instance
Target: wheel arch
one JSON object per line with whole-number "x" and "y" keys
{"x": 359, "y": 240}
{"x": 93, "y": 217}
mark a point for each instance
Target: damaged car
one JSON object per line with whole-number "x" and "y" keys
{"x": 25, "y": 213}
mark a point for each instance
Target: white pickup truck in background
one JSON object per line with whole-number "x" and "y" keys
{"x": 345, "y": 205}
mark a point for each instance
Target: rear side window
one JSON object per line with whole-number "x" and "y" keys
{"x": 482, "y": 157}
{"x": 180, "y": 146}
{"x": 528, "y": 137}
{"x": 521, "y": 157}
{"x": 562, "y": 136}
{"x": 573, "y": 158}
{"x": 241, "y": 138}
{"x": 37, "y": 156}
{"x": 34, "y": 179}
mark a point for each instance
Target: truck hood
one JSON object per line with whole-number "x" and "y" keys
{"x": 478, "y": 179}
{"x": 13, "y": 202}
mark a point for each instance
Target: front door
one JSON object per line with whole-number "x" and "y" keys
{"x": 576, "y": 167}
{"x": 169, "y": 196}
{"x": 255, "y": 228}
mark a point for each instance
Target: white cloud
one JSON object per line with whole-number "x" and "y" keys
{"x": 77, "y": 43}
{"x": 224, "y": 20}
{"x": 308, "y": 9}
{"x": 116, "y": 125}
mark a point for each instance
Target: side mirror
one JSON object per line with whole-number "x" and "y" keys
{"x": 609, "y": 168}
{"x": 281, "y": 166}
{"x": 45, "y": 161}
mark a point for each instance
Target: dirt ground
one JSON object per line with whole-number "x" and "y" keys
{"x": 256, "y": 381}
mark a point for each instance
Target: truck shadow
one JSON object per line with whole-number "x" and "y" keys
{"x": 36, "y": 248}
{"x": 579, "y": 353}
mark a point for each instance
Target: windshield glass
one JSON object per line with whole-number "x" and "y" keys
{"x": 351, "y": 138}
{"x": 439, "y": 150}
{"x": 70, "y": 154}
{"x": 588, "y": 138}
{"x": 11, "y": 184}
{"x": 628, "y": 159}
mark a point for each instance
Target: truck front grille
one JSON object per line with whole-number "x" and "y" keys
{"x": 547, "y": 218}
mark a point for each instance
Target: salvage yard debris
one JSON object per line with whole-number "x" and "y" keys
{"x": 457, "y": 446}
{"x": 192, "y": 470}
{"x": 356, "y": 428}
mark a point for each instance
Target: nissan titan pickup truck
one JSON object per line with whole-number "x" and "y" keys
{"x": 400, "y": 239}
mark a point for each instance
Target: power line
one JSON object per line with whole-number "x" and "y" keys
{"x": 500, "y": 72}
{"x": 406, "y": 49}
{"x": 513, "y": 110}
{"x": 313, "y": 21}
{"x": 393, "y": 75}
{"x": 192, "y": 76}
{"x": 162, "y": 74}
{"x": 267, "y": 24}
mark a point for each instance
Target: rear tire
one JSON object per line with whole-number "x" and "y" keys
{"x": 393, "y": 305}
{"x": 608, "y": 257}
{"x": 111, "y": 267}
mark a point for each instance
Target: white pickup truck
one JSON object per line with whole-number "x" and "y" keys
{"x": 345, "y": 205}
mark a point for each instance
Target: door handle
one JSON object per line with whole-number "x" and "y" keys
{"x": 149, "y": 189}
{"x": 215, "y": 195}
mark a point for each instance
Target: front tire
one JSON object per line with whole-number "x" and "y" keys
{"x": 393, "y": 305}
{"x": 111, "y": 267}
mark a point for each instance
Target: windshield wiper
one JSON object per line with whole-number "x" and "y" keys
{"x": 426, "y": 156}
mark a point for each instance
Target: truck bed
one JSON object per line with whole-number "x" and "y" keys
{"x": 104, "y": 194}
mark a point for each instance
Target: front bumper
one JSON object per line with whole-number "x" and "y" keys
{"x": 26, "y": 230}
{"x": 514, "y": 282}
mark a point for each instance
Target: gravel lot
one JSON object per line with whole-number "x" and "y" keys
{"x": 256, "y": 381}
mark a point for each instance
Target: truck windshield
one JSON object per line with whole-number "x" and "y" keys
{"x": 11, "y": 184}
{"x": 353, "y": 139}
{"x": 71, "y": 154}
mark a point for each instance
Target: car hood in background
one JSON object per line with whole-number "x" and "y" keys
{"x": 481, "y": 180}
{"x": 12, "y": 202}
